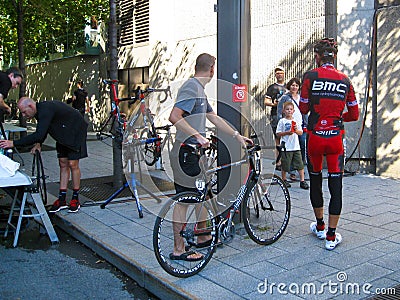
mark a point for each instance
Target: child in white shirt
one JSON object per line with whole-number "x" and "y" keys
{"x": 288, "y": 131}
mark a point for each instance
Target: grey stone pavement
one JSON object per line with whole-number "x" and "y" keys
{"x": 366, "y": 263}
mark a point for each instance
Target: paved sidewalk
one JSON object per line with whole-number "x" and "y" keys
{"x": 366, "y": 262}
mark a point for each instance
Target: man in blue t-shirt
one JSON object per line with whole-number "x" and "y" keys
{"x": 189, "y": 116}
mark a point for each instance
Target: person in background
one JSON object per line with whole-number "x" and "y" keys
{"x": 68, "y": 128}
{"x": 274, "y": 92}
{"x": 293, "y": 95}
{"x": 325, "y": 94}
{"x": 10, "y": 79}
{"x": 80, "y": 99}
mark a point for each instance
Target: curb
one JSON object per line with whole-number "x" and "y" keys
{"x": 160, "y": 288}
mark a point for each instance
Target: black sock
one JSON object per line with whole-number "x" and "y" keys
{"x": 75, "y": 194}
{"x": 61, "y": 195}
{"x": 320, "y": 224}
{"x": 331, "y": 232}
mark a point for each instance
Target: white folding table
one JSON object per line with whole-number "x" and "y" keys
{"x": 11, "y": 130}
{"x": 31, "y": 196}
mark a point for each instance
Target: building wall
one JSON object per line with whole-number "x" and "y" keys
{"x": 354, "y": 28}
{"x": 280, "y": 35}
{"x": 388, "y": 92}
{"x": 56, "y": 80}
{"x": 187, "y": 29}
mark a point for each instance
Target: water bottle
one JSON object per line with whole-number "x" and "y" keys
{"x": 293, "y": 126}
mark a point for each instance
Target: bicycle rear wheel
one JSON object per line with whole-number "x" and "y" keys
{"x": 266, "y": 210}
{"x": 185, "y": 207}
{"x": 39, "y": 178}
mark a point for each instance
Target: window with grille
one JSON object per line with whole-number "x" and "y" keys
{"x": 133, "y": 18}
{"x": 141, "y": 14}
{"x": 125, "y": 20}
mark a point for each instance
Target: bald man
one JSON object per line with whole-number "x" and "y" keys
{"x": 69, "y": 129}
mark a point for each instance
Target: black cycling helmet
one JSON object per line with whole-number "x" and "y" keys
{"x": 326, "y": 47}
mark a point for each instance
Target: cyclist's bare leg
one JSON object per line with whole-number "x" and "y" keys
{"x": 202, "y": 216}
{"x": 75, "y": 173}
{"x": 64, "y": 172}
{"x": 179, "y": 218}
{"x": 283, "y": 175}
{"x": 301, "y": 174}
{"x": 319, "y": 212}
{"x": 277, "y": 143}
{"x": 333, "y": 220}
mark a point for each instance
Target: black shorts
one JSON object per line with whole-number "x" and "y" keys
{"x": 274, "y": 124}
{"x": 65, "y": 152}
{"x": 185, "y": 167}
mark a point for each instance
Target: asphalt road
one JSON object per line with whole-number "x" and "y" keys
{"x": 37, "y": 270}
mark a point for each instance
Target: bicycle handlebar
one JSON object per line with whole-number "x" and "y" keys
{"x": 165, "y": 127}
{"x": 139, "y": 93}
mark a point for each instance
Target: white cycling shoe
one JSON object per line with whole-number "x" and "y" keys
{"x": 320, "y": 234}
{"x": 330, "y": 245}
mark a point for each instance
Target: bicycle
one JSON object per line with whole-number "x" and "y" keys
{"x": 116, "y": 128}
{"x": 263, "y": 202}
{"x": 147, "y": 127}
{"x": 152, "y": 151}
{"x": 38, "y": 176}
{"x": 115, "y": 125}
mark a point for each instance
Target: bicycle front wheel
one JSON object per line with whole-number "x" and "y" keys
{"x": 266, "y": 210}
{"x": 39, "y": 178}
{"x": 192, "y": 219}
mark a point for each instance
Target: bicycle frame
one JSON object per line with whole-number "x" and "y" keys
{"x": 115, "y": 114}
{"x": 144, "y": 110}
{"x": 250, "y": 181}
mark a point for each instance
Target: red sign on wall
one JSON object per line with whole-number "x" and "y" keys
{"x": 239, "y": 93}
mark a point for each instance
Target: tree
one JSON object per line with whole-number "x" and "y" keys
{"x": 44, "y": 23}
{"x": 113, "y": 51}
{"x": 20, "y": 18}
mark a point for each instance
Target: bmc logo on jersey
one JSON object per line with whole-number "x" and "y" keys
{"x": 327, "y": 133}
{"x": 329, "y": 86}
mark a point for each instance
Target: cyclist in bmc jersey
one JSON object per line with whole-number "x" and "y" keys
{"x": 324, "y": 94}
